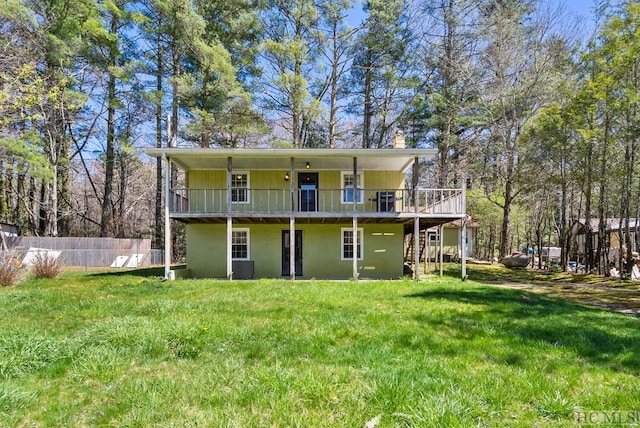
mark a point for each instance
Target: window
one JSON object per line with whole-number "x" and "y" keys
{"x": 347, "y": 188}
{"x": 240, "y": 187}
{"x": 347, "y": 244}
{"x": 240, "y": 244}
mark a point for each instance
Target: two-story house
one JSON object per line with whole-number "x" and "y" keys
{"x": 306, "y": 213}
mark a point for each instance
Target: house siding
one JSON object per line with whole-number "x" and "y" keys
{"x": 270, "y": 192}
{"x": 382, "y": 257}
{"x": 201, "y": 179}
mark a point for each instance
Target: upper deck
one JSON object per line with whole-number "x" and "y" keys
{"x": 308, "y": 185}
{"x": 315, "y": 205}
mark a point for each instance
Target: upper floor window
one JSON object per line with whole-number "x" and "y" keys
{"x": 347, "y": 188}
{"x": 240, "y": 187}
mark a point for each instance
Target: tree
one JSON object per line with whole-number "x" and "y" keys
{"x": 335, "y": 50}
{"x": 52, "y": 37}
{"x": 380, "y": 72}
{"x": 445, "y": 106}
{"x": 520, "y": 66}
{"x": 289, "y": 54}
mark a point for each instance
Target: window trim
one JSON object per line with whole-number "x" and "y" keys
{"x": 248, "y": 232}
{"x": 247, "y": 189}
{"x": 359, "y": 190}
{"x": 360, "y": 241}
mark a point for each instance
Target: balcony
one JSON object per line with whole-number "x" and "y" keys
{"x": 316, "y": 203}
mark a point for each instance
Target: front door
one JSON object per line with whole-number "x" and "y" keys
{"x": 308, "y": 185}
{"x": 286, "y": 252}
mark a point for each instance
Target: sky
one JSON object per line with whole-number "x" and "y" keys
{"x": 583, "y": 9}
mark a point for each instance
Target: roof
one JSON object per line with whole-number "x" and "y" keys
{"x": 280, "y": 159}
{"x": 611, "y": 223}
{"x": 456, "y": 224}
{"x": 471, "y": 223}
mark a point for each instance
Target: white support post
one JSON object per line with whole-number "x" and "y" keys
{"x": 229, "y": 248}
{"x": 355, "y": 219}
{"x": 416, "y": 247}
{"x": 292, "y": 222}
{"x": 463, "y": 231}
{"x": 167, "y": 219}
{"x": 229, "y": 220}
{"x": 427, "y": 259}
{"x": 416, "y": 222}
{"x": 441, "y": 250}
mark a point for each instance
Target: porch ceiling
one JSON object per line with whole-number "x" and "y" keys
{"x": 280, "y": 159}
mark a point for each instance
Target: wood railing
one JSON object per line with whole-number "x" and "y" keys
{"x": 323, "y": 201}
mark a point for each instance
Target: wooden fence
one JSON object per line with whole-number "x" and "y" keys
{"x": 92, "y": 252}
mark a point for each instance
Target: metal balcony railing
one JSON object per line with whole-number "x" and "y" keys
{"x": 323, "y": 201}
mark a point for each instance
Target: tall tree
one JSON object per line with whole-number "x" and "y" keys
{"x": 379, "y": 69}
{"x": 519, "y": 62}
{"x": 445, "y": 107}
{"x": 336, "y": 51}
{"x": 290, "y": 58}
{"x": 113, "y": 54}
{"x": 56, "y": 34}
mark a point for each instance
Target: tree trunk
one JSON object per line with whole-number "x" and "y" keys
{"x": 106, "y": 217}
{"x": 508, "y": 199}
{"x": 367, "y": 108}
{"x": 4, "y": 199}
{"x": 158, "y": 242}
{"x": 63, "y": 202}
{"x": 333, "y": 102}
{"x": 602, "y": 212}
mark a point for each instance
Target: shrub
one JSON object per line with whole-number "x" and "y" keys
{"x": 10, "y": 268}
{"x": 45, "y": 265}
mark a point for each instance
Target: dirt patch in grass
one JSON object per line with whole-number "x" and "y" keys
{"x": 588, "y": 289}
{"x": 617, "y": 298}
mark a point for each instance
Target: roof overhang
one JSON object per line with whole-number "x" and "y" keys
{"x": 280, "y": 159}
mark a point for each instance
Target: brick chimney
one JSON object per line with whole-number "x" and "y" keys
{"x": 398, "y": 140}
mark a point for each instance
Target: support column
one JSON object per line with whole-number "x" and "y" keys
{"x": 229, "y": 220}
{"x": 441, "y": 232}
{"x": 416, "y": 247}
{"x": 355, "y": 219}
{"x": 416, "y": 222}
{"x": 427, "y": 258}
{"x": 292, "y": 223}
{"x": 229, "y": 248}
{"x": 167, "y": 219}
{"x": 463, "y": 228}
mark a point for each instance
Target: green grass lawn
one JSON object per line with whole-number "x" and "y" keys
{"x": 127, "y": 350}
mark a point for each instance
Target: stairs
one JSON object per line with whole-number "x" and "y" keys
{"x": 409, "y": 244}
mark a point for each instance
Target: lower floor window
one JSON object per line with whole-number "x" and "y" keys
{"x": 240, "y": 244}
{"x": 347, "y": 244}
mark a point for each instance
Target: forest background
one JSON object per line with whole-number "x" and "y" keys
{"x": 535, "y": 109}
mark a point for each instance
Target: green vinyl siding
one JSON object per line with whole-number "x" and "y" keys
{"x": 270, "y": 192}
{"x": 207, "y": 179}
{"x": 259, "y": 179}
{"x": 450, "y": 241}
{"x": 382, "y": 246}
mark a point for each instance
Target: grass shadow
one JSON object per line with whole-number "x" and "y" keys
{"x": 149, "y": 272}
{"x": 593, "y": 334}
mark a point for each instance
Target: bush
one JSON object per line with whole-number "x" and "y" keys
{"x": 45, "y": 265}
{"x": 10, "y": 268}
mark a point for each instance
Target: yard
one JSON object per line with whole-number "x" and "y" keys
{"x": 129, "y": 350}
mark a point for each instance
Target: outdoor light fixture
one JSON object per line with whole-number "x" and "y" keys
{"x": 308, "y": 165}
{"x": 286, "y": 176}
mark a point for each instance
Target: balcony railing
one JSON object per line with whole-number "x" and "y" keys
{"x": 322, "y": 201}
